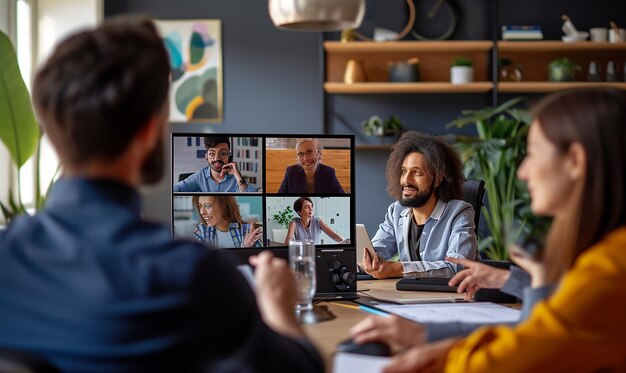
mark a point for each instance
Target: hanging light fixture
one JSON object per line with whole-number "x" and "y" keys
{"x": 317, "y": 15}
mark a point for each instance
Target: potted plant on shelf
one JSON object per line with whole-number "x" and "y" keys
{"x": 283, "y": 218}
{"x": 376, "y": 126}
{"x": 462, "y": 71}
{"x": 562, "y": 70}
{"x": 494, "y": 156}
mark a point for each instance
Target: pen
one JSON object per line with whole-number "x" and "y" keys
{"x": 374, "y": 311}
{"x": 345, "y": 305}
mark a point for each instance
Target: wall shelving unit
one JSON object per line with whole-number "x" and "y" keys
{"x": 435, "y": 58}
{"x": 535, "y": 56}
{"x": 434, "y": 66}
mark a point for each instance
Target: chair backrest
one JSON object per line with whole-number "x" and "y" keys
{"x": 473, "y": 193}
{"x": 184, "y": 175}
{"x": 14, "y": 361}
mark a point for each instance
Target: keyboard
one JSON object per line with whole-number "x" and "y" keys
{"x": 426, "y": 284}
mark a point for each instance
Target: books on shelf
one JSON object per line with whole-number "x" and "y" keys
{"x": 522, "y": 33}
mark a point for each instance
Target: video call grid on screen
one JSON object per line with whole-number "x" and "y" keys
{"x": 263, "y": 161}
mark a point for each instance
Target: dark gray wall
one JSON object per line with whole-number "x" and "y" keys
{"x": 272, "y": 80}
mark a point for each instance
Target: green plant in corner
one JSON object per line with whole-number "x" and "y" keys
{"x": 494, "y": 156}
{"x": 19, "y": 130}
{"x": 284, "y": 217}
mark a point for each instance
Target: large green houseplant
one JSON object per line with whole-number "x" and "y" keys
{"x": 494, "y": 156}
{"x": 19, "y": 131}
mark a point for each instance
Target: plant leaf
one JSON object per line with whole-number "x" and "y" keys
{"x": 18, "y": 127}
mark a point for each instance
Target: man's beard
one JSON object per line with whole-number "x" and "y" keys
{"x": 153, "y": 167}
{"x": 216, "y": 166}
{"x": 420, "y": 198}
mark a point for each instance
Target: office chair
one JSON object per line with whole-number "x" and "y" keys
{"x": 473, "y": 193}
{"x": 184, "y": 175}
{"x": 14, "y": 361}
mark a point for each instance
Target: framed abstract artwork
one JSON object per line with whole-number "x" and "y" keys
{"x": 195, "y": 50}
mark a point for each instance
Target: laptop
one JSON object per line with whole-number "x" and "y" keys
{"x": 362, "y": 240}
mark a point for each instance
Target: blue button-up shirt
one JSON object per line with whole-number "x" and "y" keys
{"x": 91, "y": 287}
{"x": 202, "y": 181}
{"x": 449, "y": 231}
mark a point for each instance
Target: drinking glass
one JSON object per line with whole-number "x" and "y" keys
{"x": 302, "y": 262}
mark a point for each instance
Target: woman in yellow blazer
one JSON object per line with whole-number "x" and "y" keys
{"x": 576, "y": 172}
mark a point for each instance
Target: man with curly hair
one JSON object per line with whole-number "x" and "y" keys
{"x": 429, "y": 221}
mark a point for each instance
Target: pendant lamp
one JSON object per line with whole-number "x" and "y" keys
{"x": 317, "y": 15}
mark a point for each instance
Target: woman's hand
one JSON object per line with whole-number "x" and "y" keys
{"x": 475, "y": 276}
{"x": 252, "y": 236}
{"x": 392, "y": 330}
{"x": 427, "y": 358}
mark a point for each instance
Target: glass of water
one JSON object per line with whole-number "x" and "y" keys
{"x": 302, "y": 262}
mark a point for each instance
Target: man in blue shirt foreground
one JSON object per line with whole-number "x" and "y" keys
{"x": 221, "y": 175}
{"x": 429, "y": 221}
{"x": 89, "y": 285}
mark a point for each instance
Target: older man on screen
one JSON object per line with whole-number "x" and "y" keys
{"x": 429, "y": 221}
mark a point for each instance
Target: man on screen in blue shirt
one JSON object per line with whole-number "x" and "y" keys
{"x": 221, "y": 175}
{"x": 89, "y": 285}
{"x": 429, "y": 222}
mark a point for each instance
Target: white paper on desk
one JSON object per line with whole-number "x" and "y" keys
{"x": 350, "y": 363}
{"x": 482, "y": 312}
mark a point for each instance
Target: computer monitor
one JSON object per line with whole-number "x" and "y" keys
{"x": 244, "y": 193}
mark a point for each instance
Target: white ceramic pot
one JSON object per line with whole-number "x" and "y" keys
{"x": 461, "y": 74}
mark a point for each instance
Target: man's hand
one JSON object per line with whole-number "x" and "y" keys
{"x": 231, "y": 169}
{"x": 380, "y": 269}
{"x": 276, "y": 294}
{"x": 475, "y": 276}
{"x": 392, "y": 330}
{"x": 427, "y": 358}
{"x": 252, "y": 236}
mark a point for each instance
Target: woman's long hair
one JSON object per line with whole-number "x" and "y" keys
{"x": 228, "y": 204}
{"x": 595, "y": 118}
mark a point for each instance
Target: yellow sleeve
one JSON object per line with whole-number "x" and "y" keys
{"x": 582, "y": 327}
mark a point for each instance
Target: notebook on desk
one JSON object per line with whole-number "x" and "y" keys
{"x": 372, "y": 297}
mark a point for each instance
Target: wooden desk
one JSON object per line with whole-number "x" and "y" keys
{"x": 327, "y": 334}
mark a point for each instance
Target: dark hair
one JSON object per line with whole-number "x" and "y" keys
{"x": 297, "y": 205}
{"x": 211, "y": 141}
{"x": 100, "y": 87}
{"x": 595, "y": 118}
{"x": 442, "y": 161}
